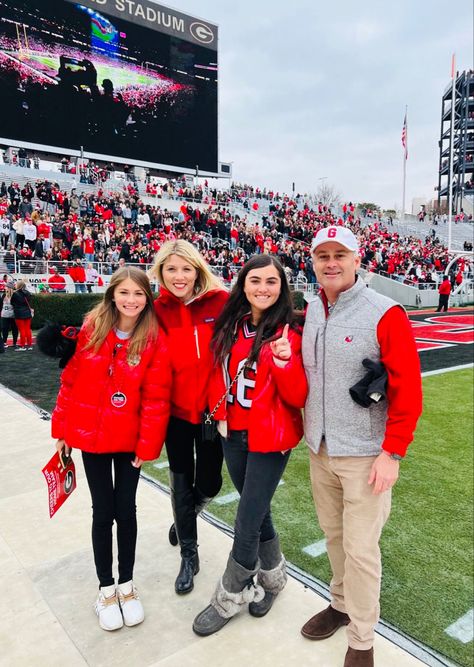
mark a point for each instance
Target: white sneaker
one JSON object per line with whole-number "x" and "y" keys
{"x": 107, "y": 609}
{"x": 132, "y": 608}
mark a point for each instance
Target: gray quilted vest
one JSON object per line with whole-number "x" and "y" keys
{"x": 333, "y": 350}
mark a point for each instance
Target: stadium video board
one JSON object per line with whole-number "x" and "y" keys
{"x": 129, "y": 81}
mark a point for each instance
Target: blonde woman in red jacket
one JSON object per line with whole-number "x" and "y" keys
{"x": 259, "y": 371}
{"x": 113, "y": 404}
{"x": 190, "y": 301}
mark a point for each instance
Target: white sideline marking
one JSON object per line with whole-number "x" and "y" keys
{"x": 316, "y": 549}
{"x": 162, "y": 465}
{"x": 235, "y": 495}
{"x": 463, "y": 628}
{"x": 229, "y": 498}
{"x": 446, "y": 370}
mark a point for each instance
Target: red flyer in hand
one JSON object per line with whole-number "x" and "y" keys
{"x": 61, "y": 482}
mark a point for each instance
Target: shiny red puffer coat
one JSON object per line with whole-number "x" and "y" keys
{"x": 84, "y": 415}
{"x": 189, "y": 330}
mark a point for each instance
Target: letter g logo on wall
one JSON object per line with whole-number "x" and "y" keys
{"x": 201, "y": 32}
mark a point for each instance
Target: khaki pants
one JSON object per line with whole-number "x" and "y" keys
{"x": 352, "y": 519}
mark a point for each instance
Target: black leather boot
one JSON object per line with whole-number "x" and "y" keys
{"x": 201, "y": 502}
{"x": 182, "y": 500}
{"x": 172, "y": 535}
{"x": 189, "y": 567}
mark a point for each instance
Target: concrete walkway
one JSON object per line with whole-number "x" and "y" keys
{"x": 48, "y": 582}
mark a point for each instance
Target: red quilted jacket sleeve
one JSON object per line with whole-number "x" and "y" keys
{"x": 63, "y": 402}
{"x": 291, "y": 379}
{"x": 155, "y": 403}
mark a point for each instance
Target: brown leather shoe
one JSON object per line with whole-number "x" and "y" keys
{"x": 324, "y": 624}
{"x": 357, "y": 658}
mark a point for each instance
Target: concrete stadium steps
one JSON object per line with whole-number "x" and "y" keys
{"x": 462, "y": 231}
{"x": 23, "y": 175}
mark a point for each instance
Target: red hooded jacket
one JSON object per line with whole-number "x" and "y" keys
{"x": 275, "y": 419}
{"x": 84, "y": 415}
{"x": 189, "y": 330}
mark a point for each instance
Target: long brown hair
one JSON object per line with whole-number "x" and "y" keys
{"x": 237, "y": 307}
{"x": 104, "y": 317}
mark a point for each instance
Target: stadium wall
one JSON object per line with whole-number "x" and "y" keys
{"x": 413, "y": 296}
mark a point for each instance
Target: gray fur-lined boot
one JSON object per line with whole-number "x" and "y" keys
{"x": 235, "y": 588}
{"x": 272, "y": 576}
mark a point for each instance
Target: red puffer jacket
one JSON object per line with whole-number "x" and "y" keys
{"x": 275, "y": 420}
{"x": 77, "y": 273}
{"x": 445, "y": 287}
{"x": 84, "y": 415}
{"x": 189, "y": 330}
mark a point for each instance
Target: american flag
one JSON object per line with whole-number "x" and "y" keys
{"x": 405, "y": 137}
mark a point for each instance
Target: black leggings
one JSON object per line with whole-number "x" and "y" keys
{"x": 182, "y": 438}
{"x": 255, "y": 476}
{"x": 8, "y": 323}
{"x": 113, "y": 498}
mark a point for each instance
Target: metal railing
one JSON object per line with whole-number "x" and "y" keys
{"x": 407, "y": 281}
{"x": 37, "y": 272}
{"x": 29, "y": 266}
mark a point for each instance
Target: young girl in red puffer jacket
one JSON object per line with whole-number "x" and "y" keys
{"x": 113, "y": 405}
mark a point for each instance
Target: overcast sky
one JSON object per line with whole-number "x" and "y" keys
{"x": 311, "y": 89}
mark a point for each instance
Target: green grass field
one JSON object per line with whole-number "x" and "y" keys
{"x": 428, "y": 542}
{"x": 120, "y": 75}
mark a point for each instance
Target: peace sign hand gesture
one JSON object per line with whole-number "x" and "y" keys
{"x": 281, "y": 348}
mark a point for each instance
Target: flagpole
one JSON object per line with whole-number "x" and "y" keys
{"x": 451, "y": 149}
{"x": 404, "y": 166}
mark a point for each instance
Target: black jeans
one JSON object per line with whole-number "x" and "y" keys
{"x": 255, "y": 476}
{"x": 182, "y": 438}
{"x": 113, "y": 499}
{"x": 8, "y": 323}
{"x": 443, "y": 303}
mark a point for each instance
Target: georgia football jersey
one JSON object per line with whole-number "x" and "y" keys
{"x": 239, "y": 398}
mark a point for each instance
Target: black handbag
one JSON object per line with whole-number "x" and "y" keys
{"x": 208, "y": 427}
{"x": 208, "y": 423}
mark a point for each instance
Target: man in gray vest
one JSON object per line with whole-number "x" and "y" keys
{"x": 355, "y": 451}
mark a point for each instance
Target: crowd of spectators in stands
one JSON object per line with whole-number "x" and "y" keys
{"x": 43, "y": 223}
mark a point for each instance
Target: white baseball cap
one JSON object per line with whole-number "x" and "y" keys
{"x": 336, "y": 234}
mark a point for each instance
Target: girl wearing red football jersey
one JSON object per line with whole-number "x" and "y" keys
{"x": 190, "y": 301}
{"x": 113, "y": 405}
{"x": 260, "y": 387}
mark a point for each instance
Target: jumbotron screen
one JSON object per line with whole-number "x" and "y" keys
{"x": 132, "y": 82}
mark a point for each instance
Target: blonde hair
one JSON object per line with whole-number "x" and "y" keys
{"x": 105, "y": 316}
{"x": 205, "y": 280}
{"x": 20, "y": 284}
